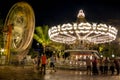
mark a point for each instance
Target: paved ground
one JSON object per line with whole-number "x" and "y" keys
{"x": 27, "y": 73}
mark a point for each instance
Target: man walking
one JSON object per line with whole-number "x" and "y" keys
{"x": 43, "y": 60}
{"x": 52, "y": 63}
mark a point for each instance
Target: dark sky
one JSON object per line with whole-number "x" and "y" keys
{"x": 54, "y": 12}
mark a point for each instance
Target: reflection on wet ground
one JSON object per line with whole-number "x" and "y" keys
{"x": 27, "y": 73}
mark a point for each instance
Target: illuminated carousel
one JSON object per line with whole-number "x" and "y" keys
{"x": 82, "y": 32}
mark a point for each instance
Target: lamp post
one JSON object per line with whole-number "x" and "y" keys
{"x": 38, "y": 48}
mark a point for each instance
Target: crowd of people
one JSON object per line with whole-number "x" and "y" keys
{"x": 103, "y": 66}
{"x": 94, "y": 66}
{"x": 40, "y": 63}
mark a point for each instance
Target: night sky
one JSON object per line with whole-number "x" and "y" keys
{"x": 54, "y": 12}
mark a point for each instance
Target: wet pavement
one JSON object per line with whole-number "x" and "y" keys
{"x": 27, "y": 73}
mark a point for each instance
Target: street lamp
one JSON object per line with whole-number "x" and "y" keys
{"x": 113, "y": 55}
{"x": 37, "y": 46}
{"x": 101, "y": 56}
{"x": 2, "y": 50}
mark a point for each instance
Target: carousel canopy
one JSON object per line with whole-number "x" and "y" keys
{"x": 82, "y": 31}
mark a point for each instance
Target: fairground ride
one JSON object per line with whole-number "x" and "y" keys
{"x": 18, "y": 30}
{"x": 82, "y": 31}
{"x": 80, "y": 35}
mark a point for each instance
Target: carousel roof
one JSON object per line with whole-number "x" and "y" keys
{"x": 82, "y": 31}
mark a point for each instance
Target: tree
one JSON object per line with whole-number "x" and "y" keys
{"x": 58, "y": 48}
{"x": 41, "y": 36}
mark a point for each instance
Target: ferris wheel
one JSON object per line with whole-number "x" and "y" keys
{"x": 19, "y": 26}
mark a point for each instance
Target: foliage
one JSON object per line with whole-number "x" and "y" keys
{"x": 41, "y": 35}
{"x": 109, "y": 48}
{"x": 33, "y": 53}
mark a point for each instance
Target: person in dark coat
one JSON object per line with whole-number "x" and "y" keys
{"x": 94, "y": 66}
{"x": 117, "y": 66}
{"x": 101, "y": 66}
{"x": 106, "y": 65}
{"x": 112, "y": 67}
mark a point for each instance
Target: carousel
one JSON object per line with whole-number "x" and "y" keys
{"x": 79, "y": 35}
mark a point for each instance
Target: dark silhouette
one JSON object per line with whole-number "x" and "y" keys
{"x": 101, "y": 67}
{"x": 112, "y": 67}
{"x": 117, "y": 66}
{"x": 106, "y": 63}
{"x": 94, "y": 66}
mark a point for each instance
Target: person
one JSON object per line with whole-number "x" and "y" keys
{"x": 88, "y": 64}
{"x": 52, "y": 63}
{"x": 35, "y": 62}
{"x": 117, "y": 66}
{"x": 44, "y": 61}
{"x": 112, "y": 67}
{"x": 106, "y": 65}
{"x": 101, "y": 66}
{"x": 94, "y": 66}
{"x": 38, "y": 62}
